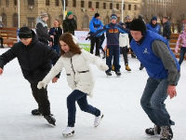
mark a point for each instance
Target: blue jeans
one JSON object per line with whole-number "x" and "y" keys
{"x": 81, "y": 99}
{"x": 182, "y": 53}
{"x": 152, "y": 102}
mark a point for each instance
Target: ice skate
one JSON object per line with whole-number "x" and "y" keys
{"x": 118, "y": 73}
{"x": 98, "y": 120}
{"x": 68, "y": 131}
{"x": 36, "y": 112}
{"x": 166, "y": 133}
{"x": 108, "y": 73}
{"x": 50, "y": 119}
{"x": 153, "y": 131}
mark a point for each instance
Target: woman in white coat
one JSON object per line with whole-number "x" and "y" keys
{"x": 76, "y": 62}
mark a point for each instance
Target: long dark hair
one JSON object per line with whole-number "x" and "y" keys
{"x": 68, "y": 39}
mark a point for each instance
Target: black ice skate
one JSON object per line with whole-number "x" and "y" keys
{"x": 108, "y": 73}
{"x": 68, "y": 131}
{"x": 153, "y": 131}
{"x": 118, "y": 73}
{"x": 166, "y": 133}
{"x": 50, "y": 119}
{"x": 36, "y": 112}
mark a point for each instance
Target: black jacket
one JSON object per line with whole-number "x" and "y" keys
{"x": 167, "y": 30}
{"x": 34, "y": 59}
{"x": 69, "y": 25}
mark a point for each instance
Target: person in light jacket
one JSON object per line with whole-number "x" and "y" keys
{"x": 79, "y": 76}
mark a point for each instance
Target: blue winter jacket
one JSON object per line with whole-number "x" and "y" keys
{"x": 95, "y": 25}
{"x": 150, "y": 61}
{"x": 156, "y": 29}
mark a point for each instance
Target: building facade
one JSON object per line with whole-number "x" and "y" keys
{"x": 83, "y": 10}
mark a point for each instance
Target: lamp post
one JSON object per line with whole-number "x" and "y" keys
{"x": 64, "y": 7}
{"x": 18, "y": 8}
{"x": 122, "y": 4}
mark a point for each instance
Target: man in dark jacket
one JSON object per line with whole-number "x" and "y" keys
{"x": 35, "y": 61}
{"x": 166, "y": 28}
{"x": 69, "y": 24}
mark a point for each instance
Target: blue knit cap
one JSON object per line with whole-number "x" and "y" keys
{"x": 154, "y": 18}
{"x": 113, "y": 16}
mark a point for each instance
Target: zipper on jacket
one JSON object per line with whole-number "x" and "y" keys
{"x": 72, "y": 66}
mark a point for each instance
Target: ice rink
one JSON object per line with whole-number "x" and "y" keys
{"x": 117, "y": 97}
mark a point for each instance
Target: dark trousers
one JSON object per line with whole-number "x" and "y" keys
{"x": 113, "y": 51}
{"x": 182, "y": 54}
{"x": 81, "y": 99}
{"x": 41, "y": 98}
{"x": 95, "y": 40}
{"x": 1, "y": 39}
{"x": 124, "y": 52}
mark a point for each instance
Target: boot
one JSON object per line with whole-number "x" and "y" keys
{"x": 166, "y": 133}
{"x": 153, "y": 131}
{"x": 50, "y": 119}
{"x": 68, "y": 131}
{"x": 127, "y": 67}
{"x": 98, "y": 120}
{"x": 36, "y": 112}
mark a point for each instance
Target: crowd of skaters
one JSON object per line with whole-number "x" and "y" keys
{"x": 61, "y": 46}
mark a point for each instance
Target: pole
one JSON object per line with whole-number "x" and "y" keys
{"x": 64, "y": 6}
{"x": 112, "y": 6}
{"x": 18, "y": 8}
{"x": 122, "y": 4}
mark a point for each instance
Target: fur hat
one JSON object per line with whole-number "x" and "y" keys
{"x": 25, "y": 32}
{"x": 138, "y": 25}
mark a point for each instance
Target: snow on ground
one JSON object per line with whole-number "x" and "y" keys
{"x": 117, "y": 97}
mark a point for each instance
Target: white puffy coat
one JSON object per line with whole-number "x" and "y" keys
{"x": 79, "y": 75}
{"x": 124, "y": 40}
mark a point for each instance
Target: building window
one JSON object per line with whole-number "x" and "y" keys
{"x": 85, "y": 23}
{"x": 15, "y": 2}
{"x": 123, "y": 6}
{"x": 47, "y": 2}
{"x": 97, "y": 5}
{"x": 74, "y": 3}
{"x": 15, "y": 20}
{"x": 31, "y": 22}
{"x": 66, "y": 2}
{"x": 104, "y": 6}
{"x": 7, "y": 2}
{"x": 129, "y": 6}
{"x": 89, "y": 4}
{"x": 57, "y": 2}
{"x": 4, "y": 19}
{"x": 82, "y": 4}
{"x": 31, "y": 2}
{"x": 135, "y": 7}
{"x": 110, "y": 5}
{"x": 117, "y": 6}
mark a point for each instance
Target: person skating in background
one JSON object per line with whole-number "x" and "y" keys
{"x": 154, "y": 26}
{"x": 55, "y": 32}
{"x": 181, "y": 42}
{"x": 154, "y": 53}
{"x": 69, "y": 24}
{"x": 42, "y": 29}
{"x": 166, "y": 28}
{"x": 95, "y": 25}
{"x": 113, "y": 29}
{"x": 124, "y": 47}
{"x": 76, "y": 62}
{"x": 34, "y": 59}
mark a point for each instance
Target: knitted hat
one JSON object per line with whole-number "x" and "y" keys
{"x": 138, "y": 25}
{"x": 69, "y": 13}
{"x": 154, "y": 18}
{"x": 96, "y": 15}
{"x": 113, "y": 16}
{"x": 43, "y": 14}
{"x": 25, "y": 32}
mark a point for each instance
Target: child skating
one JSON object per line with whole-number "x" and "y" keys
{"x": 76, "y": 62}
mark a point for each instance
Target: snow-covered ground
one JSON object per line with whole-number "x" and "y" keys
{"x": 117, "y": 97}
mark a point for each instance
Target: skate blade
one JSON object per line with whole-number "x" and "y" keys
{"x": 69, "y": 135}
{"x": 100, "y": 121}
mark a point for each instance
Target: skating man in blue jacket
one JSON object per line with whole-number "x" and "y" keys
{"x": 154, "y": 53}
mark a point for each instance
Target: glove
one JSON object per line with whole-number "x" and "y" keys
{"x": 41, "y": 85}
